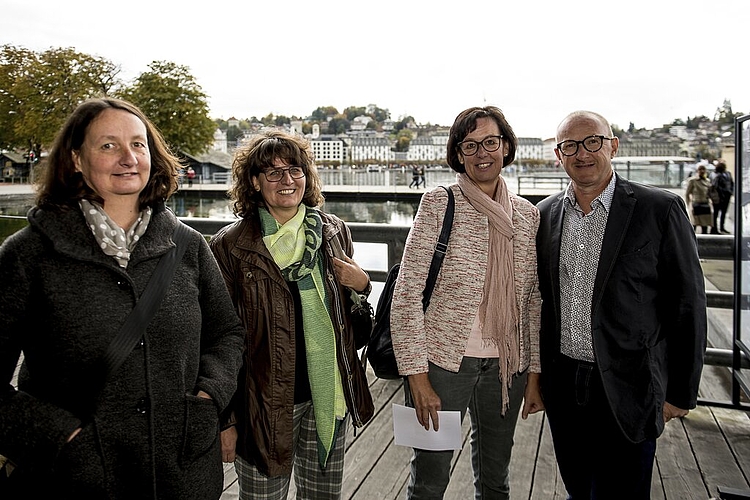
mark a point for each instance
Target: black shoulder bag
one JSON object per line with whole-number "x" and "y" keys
{"x": 149, "y": 302}
{"x": 380, "y": 348}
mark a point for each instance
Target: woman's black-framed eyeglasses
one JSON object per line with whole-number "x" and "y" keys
{"x": 592, "y": 144}
{"x": 490, "y": 143}
{"x": 276, "y": 174}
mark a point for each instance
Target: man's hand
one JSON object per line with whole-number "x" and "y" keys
{"x": 532, "y": 398}
{"x": 671, "y": 411}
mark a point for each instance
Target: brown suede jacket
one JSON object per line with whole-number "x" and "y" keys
{"x": 264, "y": 402}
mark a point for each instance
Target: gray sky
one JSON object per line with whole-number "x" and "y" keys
{"x": 646, "y": 62}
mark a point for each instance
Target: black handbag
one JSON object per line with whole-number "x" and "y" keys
{"x": 16, "y": 481}
{"x": 701, "y": 209}
{"x": 380, "y": 348}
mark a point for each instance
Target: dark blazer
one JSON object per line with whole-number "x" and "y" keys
{"x": 648, "y": 313}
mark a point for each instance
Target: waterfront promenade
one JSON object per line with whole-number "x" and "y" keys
{"x": 697, "y": 456}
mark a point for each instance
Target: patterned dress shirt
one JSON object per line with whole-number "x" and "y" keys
{"x": 580, "y": 247}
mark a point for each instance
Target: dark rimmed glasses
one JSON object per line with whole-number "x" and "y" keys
{"x": 490, "y": 143}
{"x": 276, "y": 174}
{"x": 592, "y": 144}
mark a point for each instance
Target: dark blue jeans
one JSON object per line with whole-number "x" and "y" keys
{"x": 596, "y": 460}
{"x": 476, "y": 386}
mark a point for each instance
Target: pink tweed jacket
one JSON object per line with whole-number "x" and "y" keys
{"x": 440, "y": 335}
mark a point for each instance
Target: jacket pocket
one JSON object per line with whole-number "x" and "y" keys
{"x": 201, "y": 429}
{"x": 79, "y": 468}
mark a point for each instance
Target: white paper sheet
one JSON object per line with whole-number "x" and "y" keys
{"x": 407, "y": 430}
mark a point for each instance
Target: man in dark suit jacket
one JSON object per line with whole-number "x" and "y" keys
{"x": 623, "y": 317}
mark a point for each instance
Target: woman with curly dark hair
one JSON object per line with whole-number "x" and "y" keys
{"x": 68, "y": 281}
{"x": 289, "y": 270}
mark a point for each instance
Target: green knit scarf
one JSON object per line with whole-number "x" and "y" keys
{"x": 295, "y": 249}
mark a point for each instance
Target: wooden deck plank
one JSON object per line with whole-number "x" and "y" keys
{"x": 657, "y": 487}
{"x": 713, "y": 455}
{"x": 710, "y": 442}
{"x": 371, "y": 445}
{"x": 523, "y": 461}
{"x": 676, "y": 465}
{"x": 548, "y": 484}
{"x": 734, "y": 426}
{"x": 388, "y": 477}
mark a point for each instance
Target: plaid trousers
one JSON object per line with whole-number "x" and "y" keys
{"x": 311, "y": 480}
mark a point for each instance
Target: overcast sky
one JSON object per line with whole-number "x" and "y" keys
{"x": 646, "y": 62}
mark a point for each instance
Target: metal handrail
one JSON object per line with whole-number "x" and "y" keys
{"x": 711, "y": 247}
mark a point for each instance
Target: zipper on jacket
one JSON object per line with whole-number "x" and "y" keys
{"x": 342, "y": 351}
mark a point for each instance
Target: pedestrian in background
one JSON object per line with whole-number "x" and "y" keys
{"x": 623, "y": 330}
{"x": 414, "y": 177}
{"x": 190, "y": 176}
{"x": 696, "y": 197}
{"x": 722, "y": 181}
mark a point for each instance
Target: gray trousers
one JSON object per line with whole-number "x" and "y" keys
{"x": 475, "y": 387}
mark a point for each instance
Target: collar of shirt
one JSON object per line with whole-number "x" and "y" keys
{"x": 604, "y": 198}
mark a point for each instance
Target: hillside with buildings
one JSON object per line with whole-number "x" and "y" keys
{"x": 366, "y": 142}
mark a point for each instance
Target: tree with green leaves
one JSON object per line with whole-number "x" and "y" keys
{"x": 378, "y": 114}
{"x": 234, "y": 133}
{"x": 172, "y": 99}
{"x": 724, "y": 114}
{"x": 353, "y": 111}
{"x": 39, "y": 90}
{"x": 338, "y": 125}
{"x": 403, "y": 139}
{"x": 322, "y": 113}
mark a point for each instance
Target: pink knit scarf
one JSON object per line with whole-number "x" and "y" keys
{"x": 498, "y": 310}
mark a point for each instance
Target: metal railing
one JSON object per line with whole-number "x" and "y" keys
{"x": 710, "y": 247}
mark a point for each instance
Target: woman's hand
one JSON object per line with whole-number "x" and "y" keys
{"x": 228, "y": 444}
{"x": 426, "y": 401}
{"x": 532, "y": 398}
{"x": 204, "y": 395}
{"x": 350, "y": 274}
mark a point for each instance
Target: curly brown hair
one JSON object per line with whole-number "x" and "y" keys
{"x": 466, "y": 123}
{"x": 261, "y": 152}
{"x": 60, "y": 186}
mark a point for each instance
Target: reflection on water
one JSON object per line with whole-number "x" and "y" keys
{"x": 216, "y": 205}
{"x": 198, "y": 203}
{"x": 193, "y": 204}
{"x": 17, "y": 206}
{"x": 389, "y": 212}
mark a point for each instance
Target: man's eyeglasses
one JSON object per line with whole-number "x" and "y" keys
{"x": 592, "y": 144}
{"x": 490, "y": 143}
{"x": 276, "y": 174}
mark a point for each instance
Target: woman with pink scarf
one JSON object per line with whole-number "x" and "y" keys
{"x": 476, "y": 345}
